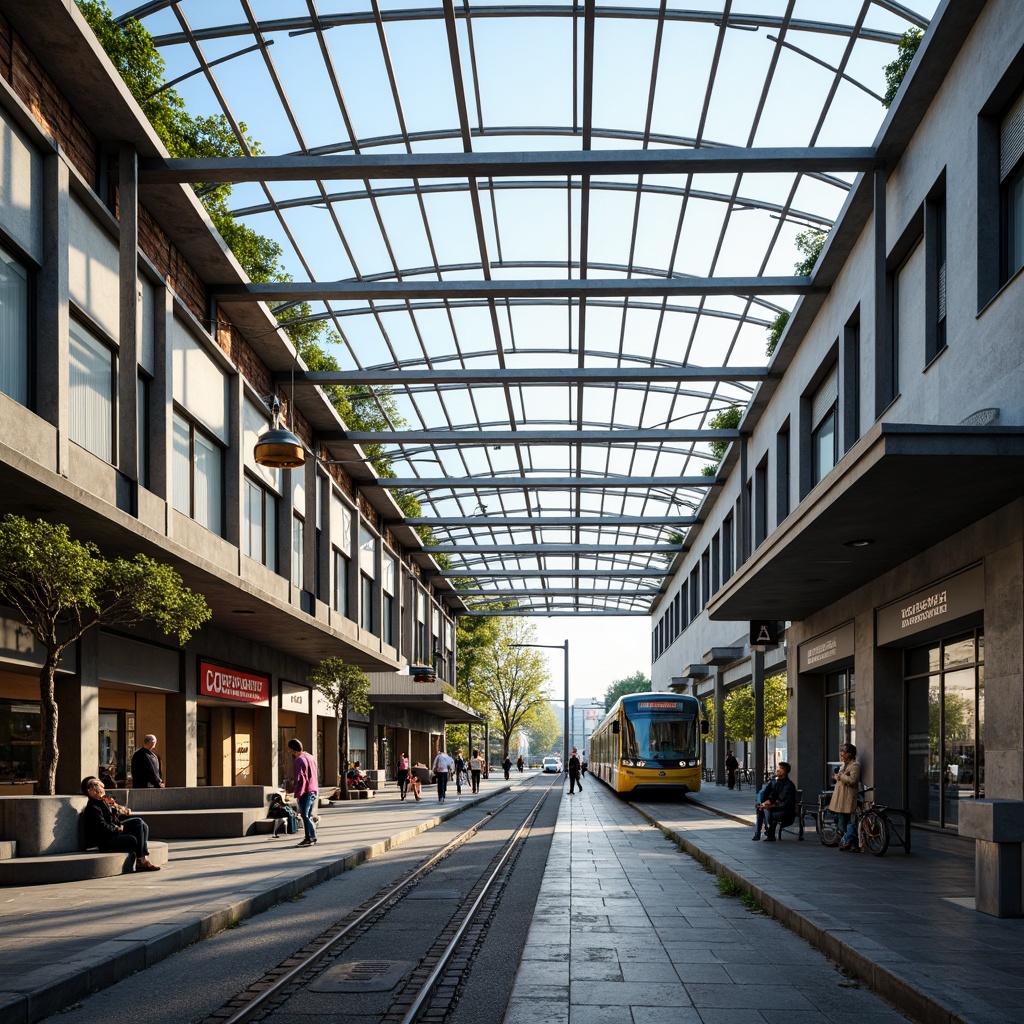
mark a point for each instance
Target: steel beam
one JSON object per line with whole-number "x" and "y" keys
{"x": 547, "y": 549}
{"x": 399, "y": 377}
{"x": 347, "y": 167}
{"x": 561, "y": 483}
{"x": 352, "y": 291}
{"x": 553, "y": 573}
{"x": 473, "y": 436}
{"x": 560, "y": 592}
{"x": 574, "y": 612}
{"x": 546, "y": 522}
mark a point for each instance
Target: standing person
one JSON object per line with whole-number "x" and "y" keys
{"x": 146, "y": 773}
{"x": 731, "y": 764}
{"x": 844, "y": 796}
{"x": 402, "y": 775}
{"x": 584, "y": 765}
{"x": 520, "y": 763}
{"x": 574, "y": 772}
{"x": 476, "y": 766}
{"x": 443, "y": 764}
{"x": 776, "y": 804}
{"x": 507, "y": 765}
{"x": 306, "y": 788}
{"x": 106, "y": 829}
{"x": 460, "y": 767}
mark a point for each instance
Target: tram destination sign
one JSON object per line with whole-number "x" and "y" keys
{"x": 935, "y": 605}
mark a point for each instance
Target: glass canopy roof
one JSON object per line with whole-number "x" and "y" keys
{"x": 557, "y": 312}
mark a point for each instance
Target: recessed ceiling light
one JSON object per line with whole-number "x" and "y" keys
{"x": 857, "y": 543}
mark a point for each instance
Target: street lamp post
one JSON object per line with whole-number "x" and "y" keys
{"x": 564, "y": 647}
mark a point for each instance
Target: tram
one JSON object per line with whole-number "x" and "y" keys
{"x": 650, "y": 742}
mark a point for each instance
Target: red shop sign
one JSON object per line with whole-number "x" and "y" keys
{"x": 232, "y": 684}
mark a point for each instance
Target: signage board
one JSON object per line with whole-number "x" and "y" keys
{"x": 935, "y": 605}
{"x": 294, "y": 698}
{"x": 233, "y": 684}
{"x": 828, "y": 649}
{"x": 764, "y": 633}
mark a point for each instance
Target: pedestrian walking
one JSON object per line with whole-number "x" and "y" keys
{"x": 402, "y": 775}
{"x": 443, "y": 764}
{"x": 306, "y": 788}
{"x": 574, "y": 772}
{"x": 731, "y": 764}
{"x": 476, "y": 766}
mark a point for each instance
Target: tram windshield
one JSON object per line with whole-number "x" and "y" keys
{"x": 660, "y": 734}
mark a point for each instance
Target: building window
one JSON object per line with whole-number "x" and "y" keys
{"x": 259, "y": 538}
{"x": 366, "y": 602}
{"x": 298, "y": 547}
{"x": 840, "y": 717}
{"x": 851, "y": 381}
{"x": 728, "y": 540}
{"x": 761, "y": 502}
{"x": 935, "y": 281}
{"x": 14, "y": 306}
{"x": 142, "y": 429}
{"x": 340, "y": 595}
{"x": 93, "y": 374}
{"x": 1011, "y": 188}
{"x": 782, "y": 474}
{"x": 824, "y": 407}
{"x": 198, "y": 475}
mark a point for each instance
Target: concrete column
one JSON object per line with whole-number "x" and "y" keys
{"x": 233, "y": 465}
{"x": 757, "y": 682}
{"x": 180, "y": 746}
{"x": 998, "y": 827}
{"x": 719, "y": 729}
{"x": 78, "y": 707}
{"x": 51, "y": 310}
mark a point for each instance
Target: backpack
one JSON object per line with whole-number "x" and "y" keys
{"x": 293, "y": 821}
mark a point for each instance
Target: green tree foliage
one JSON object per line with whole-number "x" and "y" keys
{"x": 544, "y": 728}
{"x": 895, "y": 72}
{"x": 726, "y": 419}
{"x": 636, "y": 683}
{"x": 778, "y": 325}
{"x": 709, "y": 714}
{"x": 61, "y": 588}
{"x": 510, "y": 680}
{"x": 739, "y": 709}
{"x": 346, "y": 688}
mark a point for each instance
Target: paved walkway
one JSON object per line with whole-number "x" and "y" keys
{"x": 60, "y": 942}
{"x": 628, "y": 929}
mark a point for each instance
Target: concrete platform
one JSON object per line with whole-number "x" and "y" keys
{"x": 61, "y": 868}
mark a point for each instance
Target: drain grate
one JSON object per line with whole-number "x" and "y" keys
{"x": 362, "y": 976}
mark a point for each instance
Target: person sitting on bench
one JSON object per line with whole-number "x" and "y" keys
{"x": 356, "y": 777}
{"x": 107, "y": 826}
{"x": 776, "y": 804}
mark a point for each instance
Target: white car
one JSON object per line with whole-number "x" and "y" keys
{"x": 552, "y": 764}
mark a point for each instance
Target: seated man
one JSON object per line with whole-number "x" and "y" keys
{"x": 107, "y": 826}
{"x": 776, "y": 804}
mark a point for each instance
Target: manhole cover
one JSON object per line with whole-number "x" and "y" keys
{"x": 362, "y": 976}
{"x": 433, "y": 894}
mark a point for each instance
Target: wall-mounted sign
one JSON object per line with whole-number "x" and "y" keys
{"x": 233, "y": 684}
{"x": 942, "y": 602}
{"x": 764, "y": 633}
{"x": 826, "y": 650}
{"x": 294, "y": 697}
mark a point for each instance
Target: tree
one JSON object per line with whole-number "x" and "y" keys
{"x": 541, "y": 724}
{"x": 510, "y": 679}
{"x": 778, "y": 325}
{"x": 895, "y": 72}
{"x": 739, "y": 709}
{"x": 346, "y": 688}
{"x": 810, "y": 243}
{"x": 636, "y": 683}
{"x": 725, "y": 419}
{"x": 61, "y": 588}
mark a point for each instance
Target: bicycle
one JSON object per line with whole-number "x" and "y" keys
{"x": 871, "y": 823}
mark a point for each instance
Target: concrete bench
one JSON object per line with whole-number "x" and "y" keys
{"x": 74, "y": 867}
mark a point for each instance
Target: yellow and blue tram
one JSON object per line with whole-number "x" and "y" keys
{"x": 649, "y": 742}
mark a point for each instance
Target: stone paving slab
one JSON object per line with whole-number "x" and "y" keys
{"x": 675, "y": 949}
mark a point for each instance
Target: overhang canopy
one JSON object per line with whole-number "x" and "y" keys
{"x": 431, "y": 702}
{"x": 898, "y": 491}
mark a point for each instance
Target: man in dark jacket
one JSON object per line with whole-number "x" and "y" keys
{"x": 574, "y": 771}
{"x": 776, "y": 804}
{"x": 146, "y": 772}
{"x": 106, "y": 829}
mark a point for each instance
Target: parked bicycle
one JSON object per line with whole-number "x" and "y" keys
{"x": 870, "y": 823}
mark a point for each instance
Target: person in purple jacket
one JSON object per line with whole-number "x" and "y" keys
{"x": 306, "y": 791}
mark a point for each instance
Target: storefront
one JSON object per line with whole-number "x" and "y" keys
{"x": 941, "y": 631}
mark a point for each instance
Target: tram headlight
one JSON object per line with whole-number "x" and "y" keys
{"x": 628, "y": 763}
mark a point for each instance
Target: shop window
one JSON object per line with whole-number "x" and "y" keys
{"x": 93, "y": 377}
{"x": 259, "y": 538}
{"x": 197, "y": 475}
{"x": 945, "y": 715}
{"x": 824, "y": 410}
{"x": 20, "y": 742}
{"x": 14, "y": 328}
{"x": 840, "y": 718}
{"x": 357, "y": 744}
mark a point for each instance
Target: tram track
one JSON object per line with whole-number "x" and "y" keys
{"x": 420, "y": 988}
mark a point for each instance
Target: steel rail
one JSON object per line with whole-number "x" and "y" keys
{"x": 257, "y": 1002}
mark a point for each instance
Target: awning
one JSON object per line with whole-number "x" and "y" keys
{"x": 431, "y": 702}
{"x": 901, "y": 489}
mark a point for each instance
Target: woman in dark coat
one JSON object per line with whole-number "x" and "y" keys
{"x": 104, "y": 828}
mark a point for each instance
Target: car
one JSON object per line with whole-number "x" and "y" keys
{"x": 552, "y": 764}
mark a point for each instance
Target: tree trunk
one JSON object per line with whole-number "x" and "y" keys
{"x": 48, "y": 753}
{"x": 343, "y": 752}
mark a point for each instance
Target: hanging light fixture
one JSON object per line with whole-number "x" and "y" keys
{"x": 278, "y": 447}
